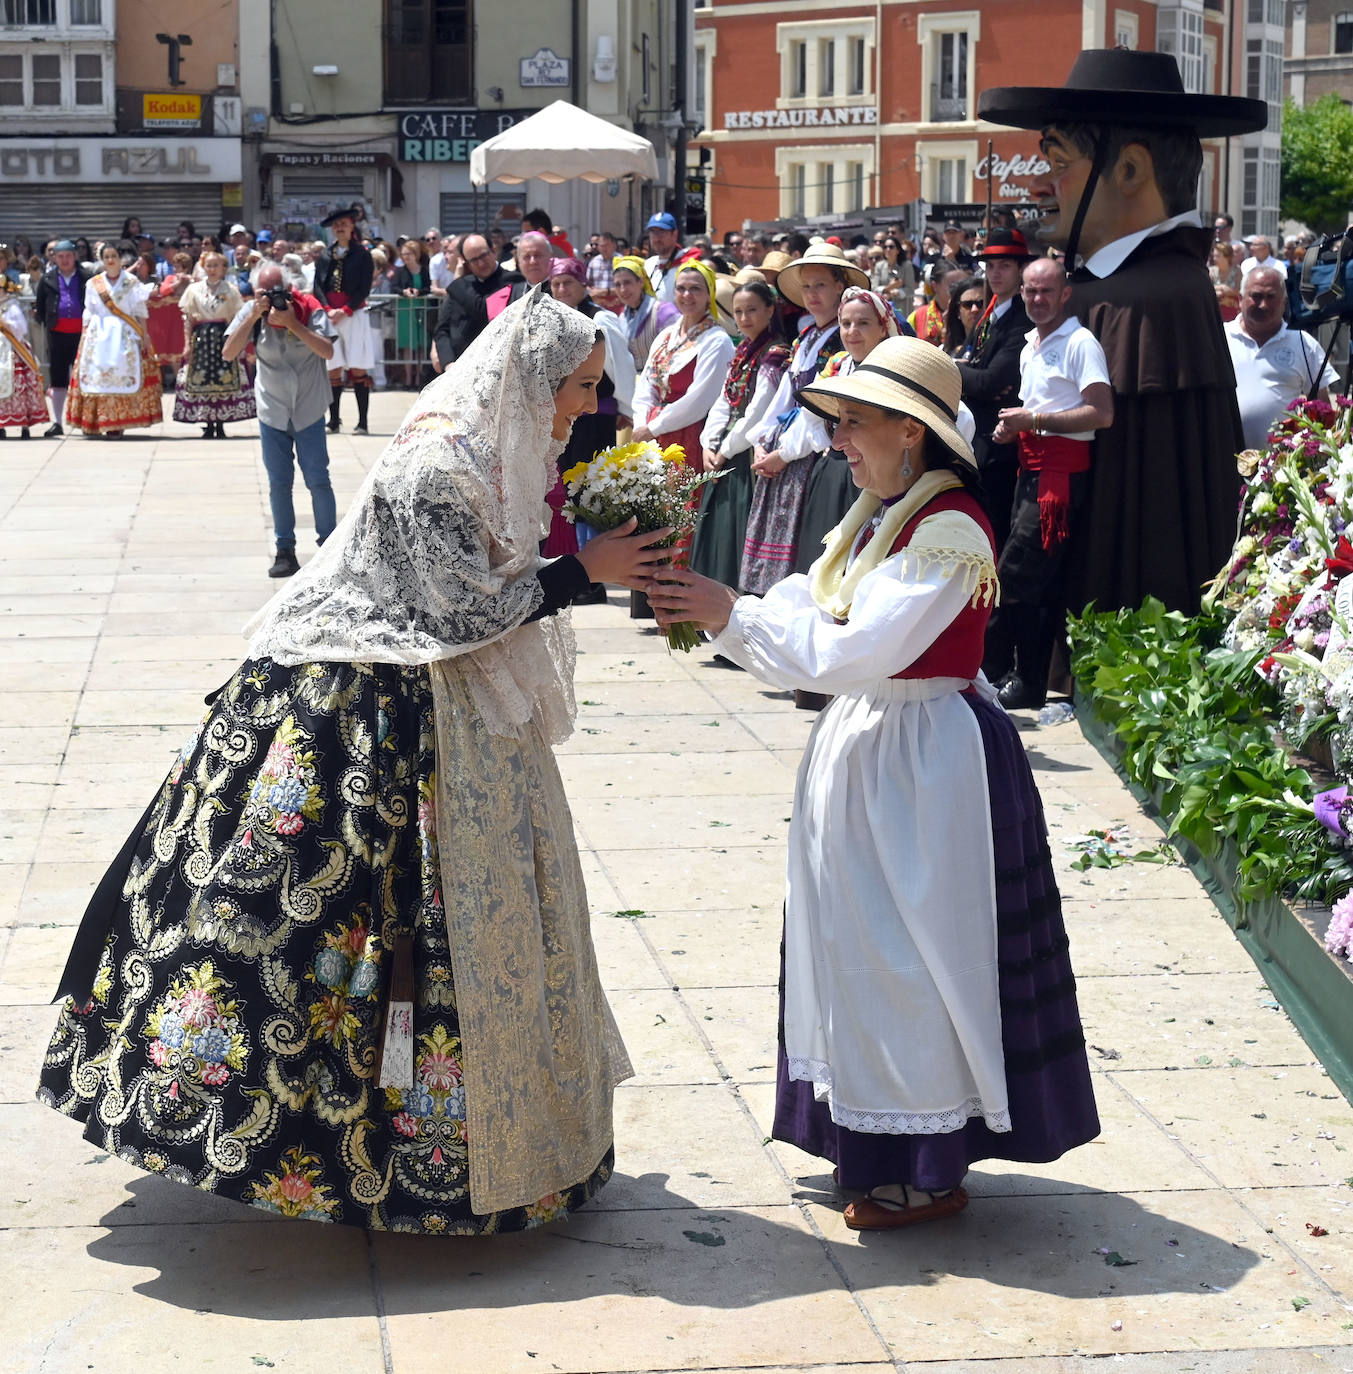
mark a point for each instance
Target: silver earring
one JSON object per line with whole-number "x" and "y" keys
{"x": 907, "y": 469}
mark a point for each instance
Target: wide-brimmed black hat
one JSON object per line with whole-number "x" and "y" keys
{"x": 353, "y": 212}
{"x": 1120, "y": 86}
{"x": 1006, "y": 243}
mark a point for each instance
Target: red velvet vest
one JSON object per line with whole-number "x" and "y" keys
{"x": 958, "y": 650}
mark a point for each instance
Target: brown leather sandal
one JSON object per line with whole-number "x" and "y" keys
{"x": 882, "y": 1214}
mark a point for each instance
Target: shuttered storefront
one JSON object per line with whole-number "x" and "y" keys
{"x": 461, "y": 211}
{"x": 96, "y": 210}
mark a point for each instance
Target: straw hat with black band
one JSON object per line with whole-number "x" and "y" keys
{"x": 1119, "y": 87}
{"x": 903, "y": 376}
{"x": 818, "y": 255}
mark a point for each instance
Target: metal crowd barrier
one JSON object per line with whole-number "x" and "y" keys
{"x": 404, "y": 326}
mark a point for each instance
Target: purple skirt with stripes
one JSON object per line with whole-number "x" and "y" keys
{"x": 1052, "y": 1104}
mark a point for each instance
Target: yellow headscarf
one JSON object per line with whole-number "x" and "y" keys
{"x": 634, "y": 264}
{"x": 707, "y": 273}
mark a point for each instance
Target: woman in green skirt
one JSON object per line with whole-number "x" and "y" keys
{"x": 748, "y": 390}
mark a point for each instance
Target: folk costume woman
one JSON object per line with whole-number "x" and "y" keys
{"x": 686, "y": 369}
{"x": 115, "y": 385}
{"x": 790, "y": 437}
{"x": 928, "y": 1012}
{"x": 645, "y": 315}
{"x": 748, "y": 390}
{"x": 343, "y": 280}
{"x": 210, "y": 390}
{"x": 342, "y": 969}
{"x": 865, "y": 320}
{"x": 22, "y": 402}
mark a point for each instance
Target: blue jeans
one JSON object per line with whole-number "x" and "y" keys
{"x": 312, "y": 454}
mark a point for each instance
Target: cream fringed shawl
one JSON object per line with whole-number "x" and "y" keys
{"x": 946, "y": 537}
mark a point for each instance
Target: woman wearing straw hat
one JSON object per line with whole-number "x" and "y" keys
{"x": 645, "y": 315}
{"x": 791, "y": 437}
{"x": 928, "y": 1014}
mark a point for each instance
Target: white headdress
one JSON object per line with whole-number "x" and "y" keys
{"x": 436, "y": 556}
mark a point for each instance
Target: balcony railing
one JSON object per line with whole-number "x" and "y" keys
{"x": 947, "y": 108}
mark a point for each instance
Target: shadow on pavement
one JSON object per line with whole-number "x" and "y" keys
{"x": 1036, "y": 1234}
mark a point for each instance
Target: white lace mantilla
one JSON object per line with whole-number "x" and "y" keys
{"x": 892, "y": 1123}
{"x": 437, "y": 555}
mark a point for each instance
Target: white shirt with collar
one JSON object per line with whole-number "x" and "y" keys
{"x": 1271, "y": 374}
{"x": 1054, "y": 372}
{"x": 1103, "y": 262}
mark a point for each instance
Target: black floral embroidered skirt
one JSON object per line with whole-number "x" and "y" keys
{"x": 231, "y": 1035}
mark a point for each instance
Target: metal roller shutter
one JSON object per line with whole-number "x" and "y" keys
{"x": 96, "y": 210}
{"x": 458, "y": 210}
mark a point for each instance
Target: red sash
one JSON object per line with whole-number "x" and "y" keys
{"x": 1054, "y": 458}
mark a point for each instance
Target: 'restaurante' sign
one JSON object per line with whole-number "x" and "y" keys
{"x": 828, "y": 117}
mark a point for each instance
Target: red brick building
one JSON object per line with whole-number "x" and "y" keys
{"x": 817, "y": 111}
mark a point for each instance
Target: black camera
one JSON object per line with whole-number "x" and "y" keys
{"x": 279, "y": 298}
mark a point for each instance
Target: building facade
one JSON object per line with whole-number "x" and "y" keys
{"x": 111, "y": 110}
{"x": 1319, "y": 52}
{"x": 383, "y": 106}
{"x": 815, "y": 114}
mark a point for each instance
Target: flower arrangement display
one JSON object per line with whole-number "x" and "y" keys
{"x": 653, "y": 485}
{"x": 1280, "y": 589}
{"x": 1207, "y": 710}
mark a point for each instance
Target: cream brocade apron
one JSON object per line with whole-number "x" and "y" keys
{"x": 542, "y": 1051}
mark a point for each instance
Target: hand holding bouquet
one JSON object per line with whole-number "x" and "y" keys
{"x": 651, "y": 484}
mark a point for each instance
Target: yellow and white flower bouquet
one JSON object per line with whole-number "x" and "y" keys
{"x": 650, "y": 483}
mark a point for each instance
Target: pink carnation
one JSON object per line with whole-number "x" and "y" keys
{"x": 1339, "y": 935}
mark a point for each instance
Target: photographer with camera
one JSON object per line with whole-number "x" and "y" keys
{"x": 293, "y": 341}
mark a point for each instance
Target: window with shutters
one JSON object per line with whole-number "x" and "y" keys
{"x": 825, "y": 62}
{"x": 948, "y": 56}
{"x": 428, "y": 52}
{"x": 50, "y": 82}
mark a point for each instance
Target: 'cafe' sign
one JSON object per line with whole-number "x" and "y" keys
{"x": 1002, "y": 169}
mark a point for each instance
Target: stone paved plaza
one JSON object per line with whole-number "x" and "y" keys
{"x": 128, "y": 569}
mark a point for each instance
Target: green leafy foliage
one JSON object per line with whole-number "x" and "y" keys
{"x": 1317, "y": 163}
{"x": 1193, "y": 719}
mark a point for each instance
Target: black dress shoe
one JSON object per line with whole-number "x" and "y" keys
{"x": 53, "y": 431}
{"x": 285, "y": 564}
{"x": 811, "y": 701}
{"x": 1016, "y": 694}
{"x": 595, "y": 595}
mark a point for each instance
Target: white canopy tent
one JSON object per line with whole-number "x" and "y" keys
{"x": 563, "y": 143}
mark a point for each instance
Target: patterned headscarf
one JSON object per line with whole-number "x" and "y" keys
{"x": 882, "y": 309}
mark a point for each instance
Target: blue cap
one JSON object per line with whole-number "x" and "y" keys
{"x": 63, "y": 246}
{"x": 263, "y": 236}
{"x": 662, "y": 220}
